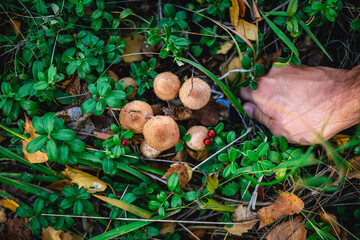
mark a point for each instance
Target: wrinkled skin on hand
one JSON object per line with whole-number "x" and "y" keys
{"x": 305, "y": 104}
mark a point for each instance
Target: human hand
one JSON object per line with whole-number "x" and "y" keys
{"x": 305, "y": 104}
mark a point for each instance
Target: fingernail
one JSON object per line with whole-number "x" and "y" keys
{"x": 249, "y": 109}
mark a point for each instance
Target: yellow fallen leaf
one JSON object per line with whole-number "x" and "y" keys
{"x": 38, "y": 156}
{"x": 239, "y": 216}
{"x": 50, "y": 233}
{"x": 234, "y": 12}
{"x": 9, "y": 204}
{"x": 59, "y": 185}
{"x": 247, "y": 29}
{"x": 341, "y": 139}
{"x": 133, "y": 46}
{"x": 225, "y": 47}
{"x": 288, "y": 230}
{"x": 88, "y": 181}
{"x": 284, "y": 204}
{"x": 15, "y": 24}
{"x": 235, "y": 63}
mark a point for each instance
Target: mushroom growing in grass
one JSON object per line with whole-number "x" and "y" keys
{"x": 161, "y": 132}
{"x": 130, "y": 82}
{"x": 195, "y": 93}
{"x": 134, "y": 115}
{"x": 148, "y": 151}
{"x": 166, "y": 86}
{"x": 197, "y": 134}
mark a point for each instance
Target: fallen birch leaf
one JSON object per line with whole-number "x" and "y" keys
{"x": 284, "y": 204}
{"x": 331, "y": 219}
{"x": 234, "y": 12}
{"x": 59, "y": 185}
{"x": 133, "y": 46}
{"x": 9, "y": 204}
{"x": 88, "y": 181}
{"x": 288, "y": 230}
{"x": 50, "y": 233}
{"x": 183, "y": 170}
{"x": 341, "y": 139}
{"x": 38, "y": 156}
{"x": 126, "y": 206}
{"x": 225, "y": 47}
{"x": 247, "y": 29}
{"x": 239, "y": 216}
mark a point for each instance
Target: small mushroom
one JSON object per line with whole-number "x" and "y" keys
{"x": 113, "y": 75}
{"x": 134, "y": 115}
{"x": 148, "y": 151}
{"x": 195, "y": 93}
{"x": 130, "y": 82}
{"x": 161, "y": 132}
{"x": 197, "y": 134}
{"x": 166, "y": 86}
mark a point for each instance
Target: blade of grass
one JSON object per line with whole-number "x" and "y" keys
{"x": 223, "y": 87}
{"x": 120, "y": 230}
{"x": 126, "y": 206}
{"x": 38, "y": 167}
{"x": 281, "y": 35}
{"x": 16, "y": 134}
{"x": 33, "y": 177}
{"x": 307, "y": 29}
{"x": 26, "y": 187}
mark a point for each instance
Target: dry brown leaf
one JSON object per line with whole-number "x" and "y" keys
{"x": 256, "y": 11}
{"x": 341, "y": 139}
{"x": 103, "y": 135}
{"x": 69, "y": 236}
{"x": 247, "y": 29}
{"x": 225, "y": 47}
{"x": 197, "y": 155}
{"x": 199, "y": 233}
{"x": 183, "y": 170}
{"x": 2, "y": 138}
{"x": 209, "y": 114}
{"x": 74, "y": 86}
{"x": 59, "y": 185}
{"x": 88, "y": 181}
{"x": 38, "y": 156}
{"x": 167, "y": 227}
{"x": 288, "y": 230}
{"x": 133, "y": 46}
{"x": 355, "y": 165}
{"x": 15, "y": 24}
{"x": 331, "y": 219}
{"x": 234, "y": 12}
{"x": 50, "y": 233}
{"x": 235, "y": 63}
{"x": 239, "y": 216}
{"x": 242, "y": 8}
{"x": 15, "y": 229}
{"x": 2, "y": 215}
{"x": 9, "y": 204}
{"x": 284, "y": 204}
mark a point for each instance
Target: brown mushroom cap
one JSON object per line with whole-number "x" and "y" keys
{"x": 133, "y": 115}
{"x": 130, "y": 82}
{"x": 197, "y": 134}
{"x": 166, "y": 86}
{"x": 148, "y": 151}
{"x": 161, "y": 132}
{"x": 113, "y": 75}
{"x": 195, "y": 93}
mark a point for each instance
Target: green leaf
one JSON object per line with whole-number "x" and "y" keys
{"x": 48, "y": 122}
{"x": 176, "y": 201}
{"x": 252, "y": 155}
{"x": 274, "y": 156}
{"x": 173, "y": 181}
{"x": 35, "y": 144}
{"x": 125, "y": 13}
{"x": 217, "y": 206}
{"x": 154, "y": 39}
{"x": 64, "y": 135}
{"x": 88, "y": 105}
{"x": 71, "y": 68}
{"x": 38, "y": 205}
{"x": 97, "y": 13}
{"x": 230, "y": 189}
{"x": 78, "y": 207}
{"x": 190, "y": 196}
{"x": 230, "y": 136}
{"x": 292, "y": 8}
{"x": 63, "y": 150}
{"x": 281, "y": 35}
{"x": 169, "y": 10}
{"x": 233, "y": 154}
{"x": 77, "y": 145}
{"x": 355, "y": 24}
{"x": 52, "y": 151}
{"x": 262, "y": 149}
{"x": 283, "y": 143}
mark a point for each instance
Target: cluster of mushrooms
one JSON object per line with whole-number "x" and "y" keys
{"x": 162, "y": 132}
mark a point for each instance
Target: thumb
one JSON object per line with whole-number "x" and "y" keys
{"x": 255, "y": 112}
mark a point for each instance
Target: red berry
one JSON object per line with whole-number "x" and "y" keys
{"x": 211, "y": 133}
{"x": 207, "y": 142}
{"x": 123, "y": 142}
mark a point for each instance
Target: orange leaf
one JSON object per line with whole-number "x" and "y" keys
{"x": 234, "y": 12}
{"x": 9, "y": 204}
{"x": 183, "y": 170}
{"x": 341, "y": 139}
{"x": 59, "y": 185}
{"x": 242, "y": 8}
{"x": 38, "y": 156}
{"x": 239, "y": 216}
{"x": 284, "y": 204}
{"x": 331, "y": 219}
{"x": 88, "y": 181}
{"x": 288, "y": 230}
